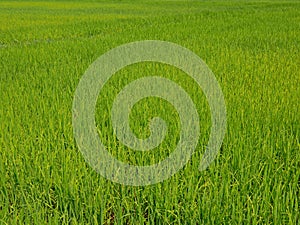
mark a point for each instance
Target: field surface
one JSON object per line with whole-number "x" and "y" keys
{"x": 253, "y": 48}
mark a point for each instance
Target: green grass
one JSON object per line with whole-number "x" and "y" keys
{"x": 252, "y": 47}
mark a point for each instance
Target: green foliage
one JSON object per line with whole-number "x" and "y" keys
{"x": 253, "y": 48}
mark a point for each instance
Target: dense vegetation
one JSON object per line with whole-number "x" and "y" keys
{"x": 253, "y": 48}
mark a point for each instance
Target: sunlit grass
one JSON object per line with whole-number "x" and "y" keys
{"x": 253, "y": 48}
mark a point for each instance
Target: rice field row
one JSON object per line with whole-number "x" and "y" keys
{"x": 253, "y": 48}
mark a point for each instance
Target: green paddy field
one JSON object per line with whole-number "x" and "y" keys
{"x": 252, "y": 47}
